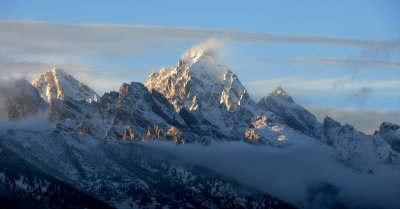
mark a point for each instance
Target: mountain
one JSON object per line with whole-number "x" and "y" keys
{"x": 91, "y": 154}
{"x": 198, "y": 84}
{"x": 57, "y": 84}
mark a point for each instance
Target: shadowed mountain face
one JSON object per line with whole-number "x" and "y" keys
{"x": 82, "y": 171}
{"x": 22, "y": 185}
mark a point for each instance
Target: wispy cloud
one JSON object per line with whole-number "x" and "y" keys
{"x": 364, "y": 89}
{"x": 45, "y": 37}
{"x": 352, "y": 63}
{"x": 362, "y": 94}
{"x": 13, "y": 69}
{"x": 302, "y": 84}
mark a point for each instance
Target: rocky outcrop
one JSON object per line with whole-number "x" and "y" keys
{"x": 136, "y": 113}
{"x": 175, "y": 135}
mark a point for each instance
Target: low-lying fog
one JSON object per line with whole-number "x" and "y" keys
{"x": 305, "y": 176}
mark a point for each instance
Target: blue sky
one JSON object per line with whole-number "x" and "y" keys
{"x": 358, "y": 18}
{"x": 340, "y": 73}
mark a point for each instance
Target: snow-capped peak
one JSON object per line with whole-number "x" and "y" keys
{"x": 199, "y": 77}
{"x": 57, "y": 84}
{"x": 202, "y": 85}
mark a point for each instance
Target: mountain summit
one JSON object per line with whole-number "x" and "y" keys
{"x": 279, "y": 92}
{"x": 57, "y": 84}
{"x": 207, "y": 89}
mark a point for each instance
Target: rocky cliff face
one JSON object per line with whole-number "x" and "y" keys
{"x": 138, "y": 114}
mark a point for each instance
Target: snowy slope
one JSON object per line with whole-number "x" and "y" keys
{"x": 290, "y": 113}
{"x": 23, "y": 185}
{"x": 360, "y": 150}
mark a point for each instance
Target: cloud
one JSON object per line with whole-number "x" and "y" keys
{"x": 33, "y": 123}
{"x": 32, "y": 114}
{"x": 352, "y": 63}
{"x": 364, "y": 120}
{"x": 211, "y": 46}
{"x": 300, "y": 85}
{"x": 31, "y": 37}
{"x": 14, "y": 69}
{"x": 308, "y": 176}
{"x": 362, "y": 95}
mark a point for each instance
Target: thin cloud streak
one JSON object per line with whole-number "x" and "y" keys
{"x": 304, "y": 84}
{"x": 45, "y": 37}
{"x": 360, "y": 64}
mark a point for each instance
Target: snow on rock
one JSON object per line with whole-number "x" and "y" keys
{"x": 57, "y": 84}
{"x": 265, "y": 129}
{"x": 355, "y": 147}
{"x": 391, "y": 133}
{"x": 206, "y": 89}
{"x": 295, "y": 116}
